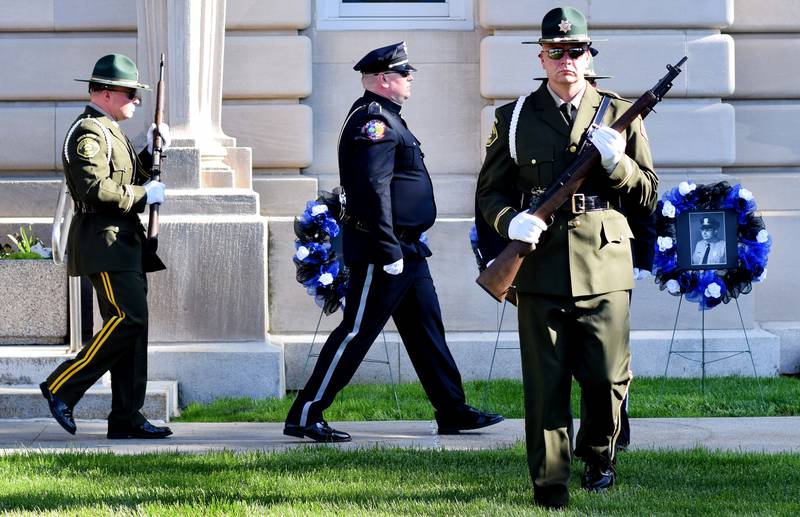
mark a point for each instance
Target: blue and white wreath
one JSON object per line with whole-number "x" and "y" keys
{"x": 318, "y": 268}
{"x": 708, "y": 288}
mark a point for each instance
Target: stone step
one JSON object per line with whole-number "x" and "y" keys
{"x": 473, "y": 353}
{"x": 26, "y": 401}
{"x": 30, "y": 364}
{"x": 205, "y": 371}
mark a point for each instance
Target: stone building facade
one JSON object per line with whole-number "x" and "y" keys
{"x": 288, "y": 82}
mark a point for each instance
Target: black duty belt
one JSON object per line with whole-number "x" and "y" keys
{"x": 581, "y": 203}
{"x": 407, "y": 234}
{"x": 84, "y": 208}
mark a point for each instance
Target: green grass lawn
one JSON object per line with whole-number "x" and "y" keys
{"x": 325, "y": 481}
{"x": 725, "y": 396}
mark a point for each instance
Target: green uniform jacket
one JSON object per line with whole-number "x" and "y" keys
{"x": 110, "y": 237}
{"x": 578, "y": 255}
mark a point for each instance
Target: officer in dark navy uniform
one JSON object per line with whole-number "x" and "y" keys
{"x": 389, "y": 204}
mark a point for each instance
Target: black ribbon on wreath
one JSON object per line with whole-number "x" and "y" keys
{"x": 317, "y": 242}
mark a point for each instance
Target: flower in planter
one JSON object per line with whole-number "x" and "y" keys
{"x": 28, "y": 246}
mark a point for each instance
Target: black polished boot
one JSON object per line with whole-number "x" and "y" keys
{"x": 465, "y": 419}
{"x": 318, "y": 431}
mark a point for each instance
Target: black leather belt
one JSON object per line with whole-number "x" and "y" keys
{"x": 582, "y": 203}
{"x": 407, "y": 234}
{"x": 84, "y": 208}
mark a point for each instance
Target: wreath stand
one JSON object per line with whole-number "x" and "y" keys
{"x": 387, "y": 362}
{"x": 501, "y": 311}
{"x": 703, "y": 361}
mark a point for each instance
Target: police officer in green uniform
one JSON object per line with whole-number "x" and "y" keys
{"x": 572, "y": 290}
{"x": 110, "y": 186}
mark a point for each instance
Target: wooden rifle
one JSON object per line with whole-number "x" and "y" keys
{"x": 155, "y": 168}
{"x": 499, "y": 277}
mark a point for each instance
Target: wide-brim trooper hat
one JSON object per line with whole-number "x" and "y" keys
{"x": 391, "y": 58}
{"x": 116, "y": 70}
{"x": 564, "y": 25}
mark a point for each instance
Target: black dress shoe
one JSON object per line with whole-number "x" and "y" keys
{"x": 467, "y": 418}
{"x": 318, "y": 431}
{"x": 553, "y": 497}
{"x": 59, "y": 409}
{"x": 597, "y": 478}
{"x": 145, "y": 431}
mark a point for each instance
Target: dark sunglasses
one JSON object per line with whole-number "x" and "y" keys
{"x": 574, "y": 52}
{"x": 131, "y": 94}
{"x": 401, "y": 73}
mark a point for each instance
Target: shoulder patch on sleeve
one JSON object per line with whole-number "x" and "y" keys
{"x": 493, "y": 135}
{"x": 375, "y": 129}
{"x": 88, "y": 146}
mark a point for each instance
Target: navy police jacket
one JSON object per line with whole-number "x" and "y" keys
{"x": 389, "y": 195}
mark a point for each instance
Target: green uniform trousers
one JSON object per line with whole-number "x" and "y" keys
{"x": 120, "y": 347}
{"x": 561, "y": 337}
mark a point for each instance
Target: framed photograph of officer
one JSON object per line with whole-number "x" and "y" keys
{"x": 707, "y": 240}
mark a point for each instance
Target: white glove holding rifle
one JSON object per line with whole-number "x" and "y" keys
{"x": 163, "y": 130}
{"x": 526, "y": 227}
{"x": 155, "y": 192}
{"x": 611, "y": 145}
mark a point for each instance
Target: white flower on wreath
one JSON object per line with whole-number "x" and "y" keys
{"x": 668, "y": 210}
{"x": 325, "y": 279}
{"x": 664, "y": 243}
{"x": 761, "y": 277}
{"x": 745, "y": 194}
{"x": 762, "y": 236}
{"x": 684, "y": 187}
{"x": 302, "y": 253}
{"x": 319, "y": 209}
{"x": 713, "y": 290}
{"x": 673, "y": 287}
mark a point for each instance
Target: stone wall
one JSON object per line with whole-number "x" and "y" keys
{"x": 287, "y": 87}
{"x": 48, "y": 44}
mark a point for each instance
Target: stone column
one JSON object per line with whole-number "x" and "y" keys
{"x": 192, "y": 35}
{"x": 208, "y": 310}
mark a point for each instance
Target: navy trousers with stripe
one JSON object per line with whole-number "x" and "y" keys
{"x": 373, "y": 296}
{"x": 120, "y": 347}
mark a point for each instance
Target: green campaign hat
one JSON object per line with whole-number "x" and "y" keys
{"x": 116, "y": 70}
{"x": 564, "y": 25}
{"x": 591, "y": 73}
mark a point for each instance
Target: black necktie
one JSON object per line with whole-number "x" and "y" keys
{"x": 705, "y": 256}
{"x": 566, "y": 111}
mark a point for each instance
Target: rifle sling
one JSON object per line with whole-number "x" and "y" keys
{"x": 597, "y": 120}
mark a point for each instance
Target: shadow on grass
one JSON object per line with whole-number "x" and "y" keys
{"x": 326, "y": 480}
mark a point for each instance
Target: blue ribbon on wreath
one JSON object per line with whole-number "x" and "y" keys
{"x": 318, "y": 268}
{"x": 708, "y": 288}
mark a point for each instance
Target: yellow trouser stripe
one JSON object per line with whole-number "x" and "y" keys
{"x": 101, "y": 338}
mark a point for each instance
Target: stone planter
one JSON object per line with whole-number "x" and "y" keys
{"x": 33, "y": 302}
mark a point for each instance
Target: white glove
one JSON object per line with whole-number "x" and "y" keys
{"x": 641, "y": 274}
{"x": 163, "y": 130}
{"x": 526, "y": 227}
{"x": 395, "y": 268}
{"x": 155, "y": 192}
{"x": 611, "y": 145}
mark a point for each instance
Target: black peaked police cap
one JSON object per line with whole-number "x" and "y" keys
{"x": 392, "y": 58}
